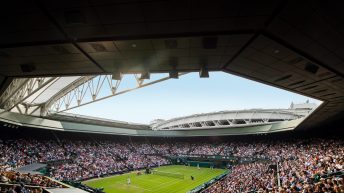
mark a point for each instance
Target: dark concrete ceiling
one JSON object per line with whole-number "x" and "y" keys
{"x": 294, "y": 45}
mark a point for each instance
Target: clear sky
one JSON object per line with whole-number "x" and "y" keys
{"x": 189, "y": 95}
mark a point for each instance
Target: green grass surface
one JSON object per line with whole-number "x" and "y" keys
{"x": 150, "y": 183}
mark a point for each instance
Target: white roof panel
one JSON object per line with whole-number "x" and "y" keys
{"x": 48, "y": 91}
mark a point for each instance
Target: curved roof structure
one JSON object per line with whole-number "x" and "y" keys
{"x": 47, "y": 95}
{"x": 239, "y": 118}
{"x": 94, "y": 125}
{"x": 241, "y": 122}
{"x": 97, "y": 121}
{"x": 226, "y": 119}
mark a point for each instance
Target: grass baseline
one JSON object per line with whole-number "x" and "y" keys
{"x": 148, "y": 183}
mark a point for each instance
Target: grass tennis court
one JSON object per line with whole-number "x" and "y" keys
{"x": 151, "y": 183}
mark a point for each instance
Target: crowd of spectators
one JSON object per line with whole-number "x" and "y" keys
{"x": 28, "y": 179}
{"x": 19, "y": 188}
{"x": 17, "y": 153}
{"x": 207, "y": 149}
{"x": 80, "y": 159}
{"x": 308, "y": 165}
{"x": 15, "y": 182}
{"x": 246, "y": 177}
{"x": 94, "y": 159}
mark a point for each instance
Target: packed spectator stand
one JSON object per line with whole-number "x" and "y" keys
{"x": 314, "y": 165}
{"x": 302, "y": 165}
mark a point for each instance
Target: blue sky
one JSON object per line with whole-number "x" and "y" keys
{"x": 189, "y": 95}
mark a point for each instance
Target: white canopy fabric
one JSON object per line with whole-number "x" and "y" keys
{"x": 48, "y": 91}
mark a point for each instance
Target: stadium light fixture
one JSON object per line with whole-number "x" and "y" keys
{"x": 204, "y": 73}
{"x": 117, "y": 75}
{"x": 145, "y": 75}
{"x": 174, "y": 72}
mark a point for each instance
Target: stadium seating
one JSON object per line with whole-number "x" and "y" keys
{"x": 308, "y": 165}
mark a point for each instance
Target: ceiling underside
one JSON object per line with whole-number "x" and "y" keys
{"x": 294, "y": 45}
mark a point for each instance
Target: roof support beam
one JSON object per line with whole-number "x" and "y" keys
{"x": 86, "y": 90}
{"x": 20, "y": 90}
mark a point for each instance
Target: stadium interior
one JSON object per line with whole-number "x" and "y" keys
{"x": 57, "y": 55}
